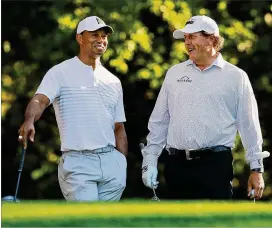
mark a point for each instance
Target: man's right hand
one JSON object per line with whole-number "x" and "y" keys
{"x": 26, "y": 132}
{"x": 149, "y": 176}
{"x": 33, "y": 112}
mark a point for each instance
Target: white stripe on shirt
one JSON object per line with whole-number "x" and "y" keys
{"x": 87, "y": 104}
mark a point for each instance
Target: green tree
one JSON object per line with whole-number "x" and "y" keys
{"x": 39, "y": 34}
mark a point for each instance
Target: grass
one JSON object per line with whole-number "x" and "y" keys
{"x": 136, "y": 214}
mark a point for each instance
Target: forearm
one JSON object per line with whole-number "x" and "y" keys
{"x": 34, "y": 110}
{"x": 248, "y": 125}
{"x": 158, "y": 128}
{"x": 121, "y": 139}
{"x": 251, "y": 137}
{"x": 156, "y": 139}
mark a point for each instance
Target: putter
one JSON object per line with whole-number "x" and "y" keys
{"x": 20, "y": 170}
{"x": 155, "y": 197}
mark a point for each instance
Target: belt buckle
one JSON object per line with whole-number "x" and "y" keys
{"x": 187, "y": 153}
{"x": 188, "y": 157}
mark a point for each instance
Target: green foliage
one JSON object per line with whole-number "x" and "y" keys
{"x": 38, "y": 35}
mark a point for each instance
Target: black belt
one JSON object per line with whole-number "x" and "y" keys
{"x": 199, "y": 153}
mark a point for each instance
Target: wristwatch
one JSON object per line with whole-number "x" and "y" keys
{"x": 259, "y": 170}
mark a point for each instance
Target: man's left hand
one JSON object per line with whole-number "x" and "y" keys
{"x": 256, "y": 182}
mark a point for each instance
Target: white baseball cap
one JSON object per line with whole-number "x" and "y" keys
{"x": 92, "y": 23}
{"x": 197, "y": 24}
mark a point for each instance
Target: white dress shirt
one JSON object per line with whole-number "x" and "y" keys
{"x": 197, "y": 109}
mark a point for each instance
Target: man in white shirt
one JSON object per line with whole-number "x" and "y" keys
{"x": 202, "y": 104}
{"x": 88, "y": 104}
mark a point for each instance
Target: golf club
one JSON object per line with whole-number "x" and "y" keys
{"x": 252, "y": 193}
{"x": 20, "y": 170}
{"x": 155, "y": 197}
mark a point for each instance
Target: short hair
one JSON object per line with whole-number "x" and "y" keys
{"x": 219, "y": 40}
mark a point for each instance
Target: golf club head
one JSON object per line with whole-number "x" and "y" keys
{"x": 9, "y": 199}
{"x": 155, "y": 197}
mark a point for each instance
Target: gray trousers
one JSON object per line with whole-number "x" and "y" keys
{"x": 92, "y": 175}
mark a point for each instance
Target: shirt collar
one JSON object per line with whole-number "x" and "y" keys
{"x": 219, "y": 61}
{"x": 85, "y": 65}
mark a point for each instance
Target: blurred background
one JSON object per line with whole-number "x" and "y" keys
{"x": 39, "y": 34}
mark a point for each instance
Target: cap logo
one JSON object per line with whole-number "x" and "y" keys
{"x": 190, "y": 22}
{"x": 99, "y": 21}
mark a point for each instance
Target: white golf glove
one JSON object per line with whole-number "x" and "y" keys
{"x": 149, "y": 176}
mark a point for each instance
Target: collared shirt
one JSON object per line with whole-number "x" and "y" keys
{"x": 87, "y": 104}
{"x": 197, "y": 109}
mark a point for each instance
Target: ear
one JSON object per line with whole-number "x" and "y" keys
{"x": 79, "y": 38}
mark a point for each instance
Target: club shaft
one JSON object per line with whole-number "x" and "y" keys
{"x": 20, "y": 172}
{"x": 154, "y": 192}
{"x": 17, "y": 186}
{"x": 155, "y": 195}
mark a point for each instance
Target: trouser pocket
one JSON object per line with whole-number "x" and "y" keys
{"x": 67, "y": 168}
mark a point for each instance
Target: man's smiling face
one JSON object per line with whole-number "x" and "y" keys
{"x": 197, "y": 46}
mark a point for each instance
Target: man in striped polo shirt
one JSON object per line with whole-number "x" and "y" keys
{"x": 88, "y": 104}
{"x": 202, "y": 104}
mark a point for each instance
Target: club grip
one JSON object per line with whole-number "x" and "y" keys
{"x": 21, "y": 165}
{"x": 25, "y": 144}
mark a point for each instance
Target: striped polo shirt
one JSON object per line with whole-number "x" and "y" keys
{"x": 87, "y": 104}
{"x": 197, "y": 109}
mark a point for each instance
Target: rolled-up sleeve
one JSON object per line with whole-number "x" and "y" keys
{"x": 248, "y": 123}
